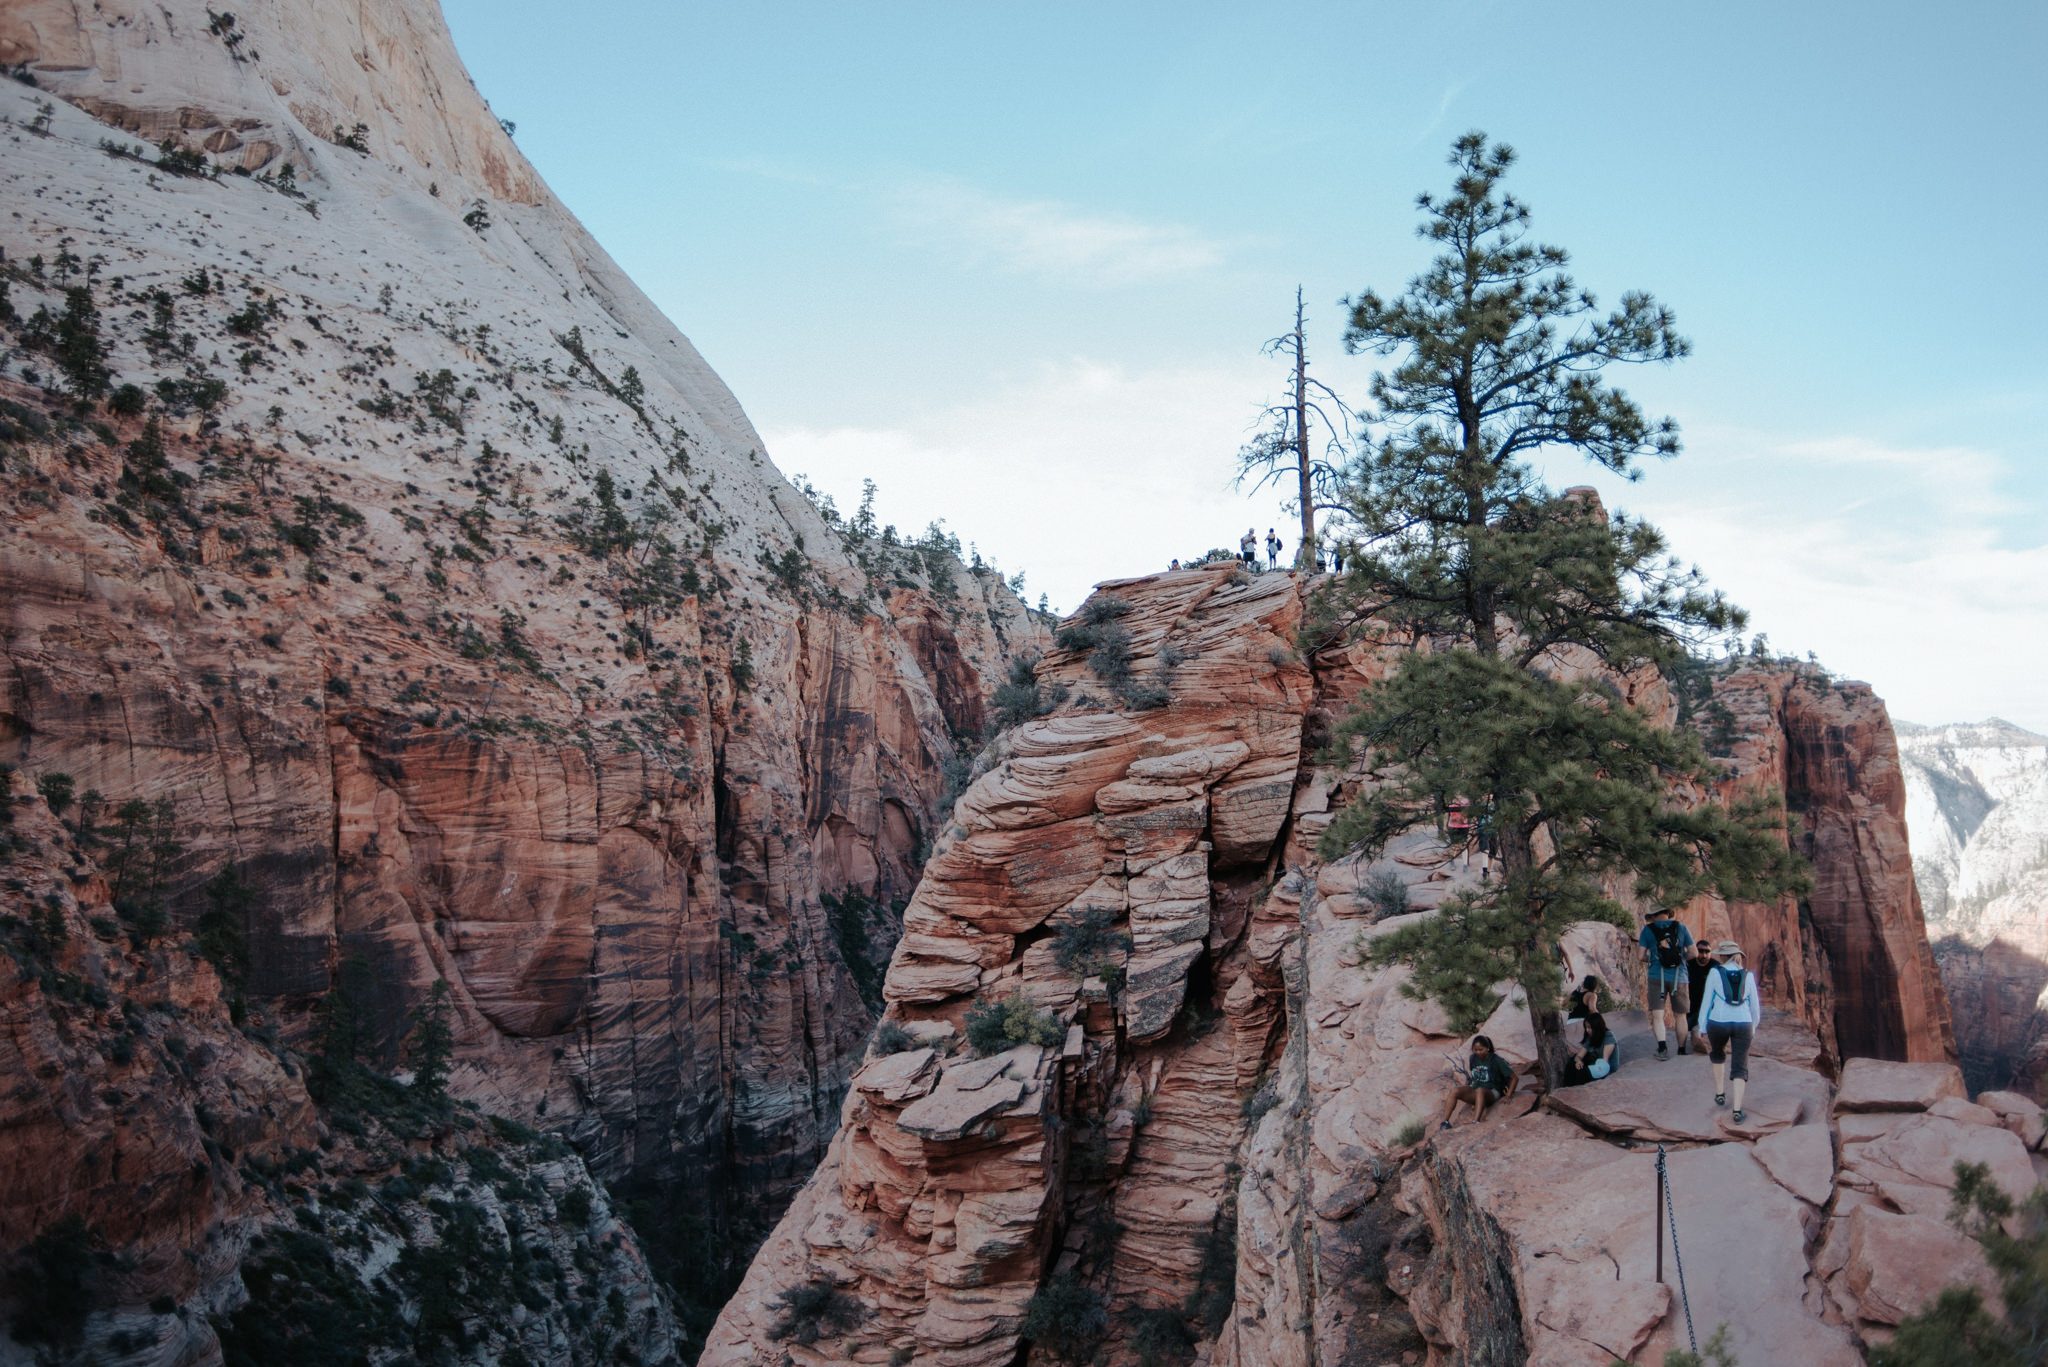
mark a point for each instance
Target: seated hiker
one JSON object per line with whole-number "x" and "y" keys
{"x": 1488, "y": 1078}
{"x": 1594, "y": 1055}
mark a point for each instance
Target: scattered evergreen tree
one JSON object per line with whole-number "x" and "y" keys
{"x": 80, "y": 353}
{"x": 430, "y": 1047}
{"x": 55, "y": 1284}
{"x": 1066, "y": 1318}
{"x": 222, "y": 934}
{"x": 1006, "y": 1022}
{"x": 1529, "y": 602}
{"x": 1957, "y": 1330}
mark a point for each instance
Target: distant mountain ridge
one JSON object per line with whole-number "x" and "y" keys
{"x": 1977, "y": 811}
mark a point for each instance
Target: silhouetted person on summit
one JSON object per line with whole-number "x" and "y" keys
{"x": 1248, "y": 548}
{"x": 1273, "y": 549}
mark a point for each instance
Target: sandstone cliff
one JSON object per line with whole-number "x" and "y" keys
{"x": 438, "y": 584}
{"x": 1217, "y": 1140}
{"x": 1977, "y": 797}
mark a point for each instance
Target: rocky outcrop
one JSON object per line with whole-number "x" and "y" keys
{"x": 1232, "y": 1149}
{"x": 1977, "y": 799}
{"x": 435, "y": 582}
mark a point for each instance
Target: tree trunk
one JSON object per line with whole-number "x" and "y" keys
{"x": 1515, "y": 850}
{"x": 1305, "y": 553}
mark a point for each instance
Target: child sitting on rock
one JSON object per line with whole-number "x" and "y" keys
{"x": 1487, "y": 1079}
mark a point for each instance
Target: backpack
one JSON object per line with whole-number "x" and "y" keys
{"x": 1670, "y": 954}
{"x": 1734, "y": 982}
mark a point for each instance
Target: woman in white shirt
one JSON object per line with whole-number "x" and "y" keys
{"x": 1730, "y": 1014}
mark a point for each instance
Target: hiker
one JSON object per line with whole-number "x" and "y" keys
{"x": 1666, "y": 939}
{"x": 1175, "y": 565}
{"x": 1488, "y": 1079}
{"x": 1273, "y": 547}
{"x": 1248, "y": 548}
{"x": 1731, "y": 1013}
{"x": 1336, "y": 560}
{"x": 1697, "y": 965}
{"x": 1594, "y": 1058}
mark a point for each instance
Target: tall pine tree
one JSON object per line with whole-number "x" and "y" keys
{"x": 1526, "y": 612}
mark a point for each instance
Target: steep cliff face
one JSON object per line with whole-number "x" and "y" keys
{"x": 439, "y": 585}
{"x": 1977, "y": 799}
{"x": 1207, "y": 1134}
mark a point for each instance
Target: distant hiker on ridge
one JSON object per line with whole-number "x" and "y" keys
{"x": 1273, "y": 547}
{"x": 1666, "y": 939}
{"x": 1248, "y": 548}
{"x": 1731, "y": 1014}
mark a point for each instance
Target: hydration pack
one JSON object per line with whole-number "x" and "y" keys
{"x": 1670, "y": 954}
{"x": 1734, "y": 982}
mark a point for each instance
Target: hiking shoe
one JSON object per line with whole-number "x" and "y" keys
{"x": 1684, "y": 1049}
{"x": 1720, "y": 1098}
{"x": 1663, "y": 1052}
{"x": 1739, "y": 1116}
{"x": 1443, "y": 1124}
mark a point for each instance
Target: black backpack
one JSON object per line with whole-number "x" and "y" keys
{"x": 1670, "y": 954}
{"x": 1734, "y": 982}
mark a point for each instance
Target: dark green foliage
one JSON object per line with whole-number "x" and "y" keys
{"x": 200, "y": 391}
{"x": 340, "y": 688}
{"x": 631, "y": 391}
{"x": 1004, "y": 1023}
{"x": 1158, "y": 1336}
{"x": 1020, "y": 698}
{"x": 179, "y": 161}
{"x": 891, "y": 1038}
{"x": 56, "y": 790}
{"x": 1087, "y": 945}
{"x": 478, "y": 218}
{"x": 146, "y": 472}
{"x": 355, "y": 139}
{"x": 1533, "y": 754}
{"x": 848, "y": 914}
{"x": 253, "y": 318}
{"x": 127, "y": 401}
{"x": 804, "y": 1313}
{"x": 79, "y": 352}
{"x": 1957, "y": 1330}
{"x": 573, "y": 1207}
{"x": 430, "y": 1047}
{"x": 306, "y": 1309}
{"x": 144, "y": 845}
{"x": 56, "y": 1283}
{"x": 1500, "y": 359}
{"x": 223, "y": 933}
{"x": 1385, "y": 893}
{"x": 1066, "y": 1318}
{"x": 742, "y": 670}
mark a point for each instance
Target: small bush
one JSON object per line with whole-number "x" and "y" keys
{"x": 1408, "y": 1132}
{"x": 1158, "y": 1336}
{"x": 891, "y": 1038}
{"x": 1085, "y": 947}
{"x": 805, "y": 1312}
{"x": 994, "y": 1026}
{"x": 1385, "y": 893}
{"x": 1021, "y": 698}
{"x": 56, "y": 1284}
{"x": 127, "y": 401}
{"x": 1066, "y": 1319}
{"x": 56, "y": 790}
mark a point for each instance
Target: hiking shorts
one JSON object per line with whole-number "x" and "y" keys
{"x": 1678, "y": 989}
{"x": 1721, "y": 1037}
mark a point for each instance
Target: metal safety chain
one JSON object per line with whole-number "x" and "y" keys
{"x": 1677, "y": 1258}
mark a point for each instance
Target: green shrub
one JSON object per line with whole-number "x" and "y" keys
{"x": 805, "y": 1312}
{"x": 1957, "y": 1330}
{"x": 1409, "y": 1132}
{"x": 1020, "y": 698}
{"x": 1385, "y": 893}
{"x": 891, "y": 1038}
{"x": 994, "y": 1026}
{"x": 127, "y": 401}
{"x": 56, "y": 790}
{"x": 1066, "y": 1319}
{"x": 56, "y": 1284}
{"x": 1086, "y": 945}
{"x": 1158, "y": 1336}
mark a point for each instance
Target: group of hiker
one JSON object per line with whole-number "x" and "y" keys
{"x": 1708, "y": 991}
{"x": 1248, "y": 548}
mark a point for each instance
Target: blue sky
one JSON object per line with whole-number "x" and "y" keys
{"x": 1015, "y": 263}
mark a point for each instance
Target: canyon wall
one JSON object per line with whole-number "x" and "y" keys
{"x": 428, "y": 576}
{"x": 1977, "y": 798}
{"x": 1217, "y": 1139}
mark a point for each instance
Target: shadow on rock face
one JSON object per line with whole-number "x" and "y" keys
{"x": 2001, "y": 1029}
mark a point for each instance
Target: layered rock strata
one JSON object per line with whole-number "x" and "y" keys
{"x": 436, "y": 583}
{"x": 1228, "y": 1154}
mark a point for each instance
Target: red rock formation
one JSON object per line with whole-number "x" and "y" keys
{"x": 1256, "y": 1083}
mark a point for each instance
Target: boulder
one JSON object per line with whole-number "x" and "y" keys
{"x": 1914, "y": 1165}
{"x": 1801, "y": 1160}
{"x": 2020, "y": 1114}
{"x": 1870, "y": 1084}
{"x": 1897, "y": 1264}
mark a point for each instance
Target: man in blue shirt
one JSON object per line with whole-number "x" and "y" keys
{"x": 1666, "y": 941}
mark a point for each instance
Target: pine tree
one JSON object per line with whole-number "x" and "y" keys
{"x": 1525, "y": 609}
{"x": 430, "y": 1047}
{"x": 222, "y": 933}
{"x": 1956, "y": 1330}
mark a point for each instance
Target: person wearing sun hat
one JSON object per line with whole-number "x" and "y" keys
{"x": 1731, "y": 1014}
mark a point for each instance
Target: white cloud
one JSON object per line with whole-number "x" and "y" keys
{"x": 1047, "y": 239}
{"x": 1080, "y": 473}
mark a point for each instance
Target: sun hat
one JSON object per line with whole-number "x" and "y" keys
{"x": 1728, "y": 949}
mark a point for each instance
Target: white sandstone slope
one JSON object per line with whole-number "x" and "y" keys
{"x": 1977, "y": 807}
